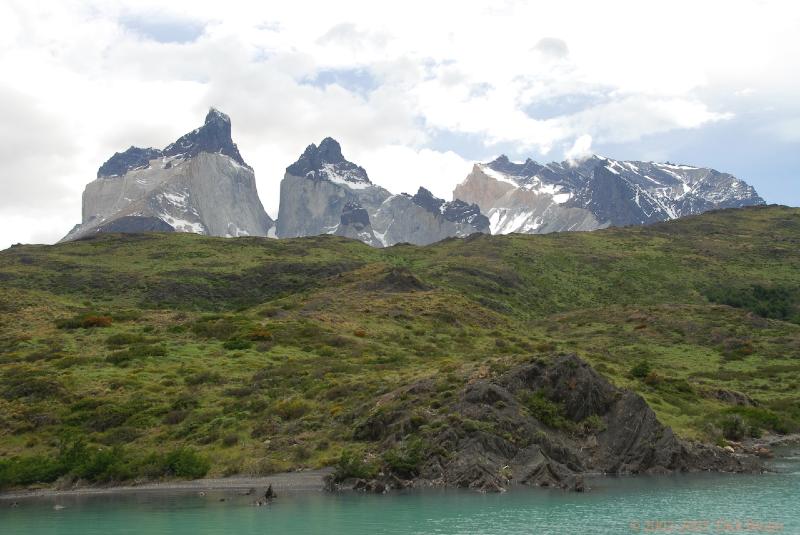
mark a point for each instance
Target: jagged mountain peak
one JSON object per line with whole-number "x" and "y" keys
{"x": 326, "y": 162}
{"x": 330, "y": 151}
{"x": 215, "y": 116}
{"x": 213, "y": 136}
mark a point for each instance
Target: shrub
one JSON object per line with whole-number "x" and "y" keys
{"x": 592, "y": 424}
{"x": 230, "y": 440}
{"x": 237, "y": 343}
{"x": 124, "y": 339}
{"x": 652, "y": 379}
{"x": 352, "y": 464}
{"x": 215, "y": 327}
{"x": 733, "y": 427}
{"x": 85, "y": 321}
{"x": 406, "y": 459}
{"x": 28, "y": 470}
{"x": 549, "y": 413}
{"x": 641, "y": 370}
{"x": 136, "y": 352}
{"x": 204, "y": 377}
{"x": 186, "y": 462}
{"x": 175, "y": 417}
{"x": 291, "y": 408}
{"x": 259, "y": 334}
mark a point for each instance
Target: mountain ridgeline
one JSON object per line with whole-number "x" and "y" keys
{"x": 201, "y": 184}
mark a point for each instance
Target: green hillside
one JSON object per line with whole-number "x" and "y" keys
{"x": 128, "y": 356}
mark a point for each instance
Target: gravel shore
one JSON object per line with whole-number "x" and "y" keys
{"x": 305, "y": 481}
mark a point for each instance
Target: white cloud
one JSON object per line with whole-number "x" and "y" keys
{"x": 580, "y": 149}
{"x": 402, "y": 169}
{"x": 85, "y": 79}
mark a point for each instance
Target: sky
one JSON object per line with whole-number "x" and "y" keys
{"x": 415, "y": 91}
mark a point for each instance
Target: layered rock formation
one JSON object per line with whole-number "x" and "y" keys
{"x": 199, "y": 183}
{"x": 323, "y": 193}
{"x": 542, "y": 424}
{"x": 595, "y": 193}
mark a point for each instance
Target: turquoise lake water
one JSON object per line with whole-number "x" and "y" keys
{"x": 705, "y": 503}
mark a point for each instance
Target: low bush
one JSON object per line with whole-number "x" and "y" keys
{"x": 124, "y": 339}
{"x": 204, "y": 377}
{"x": 548, "y": 412}
{"x": 221, "y": 328}
{"x": 405, "y": 460}
{"x": 733, "y": 427}
{"x": 85, "y": 321}
{"x": 186, "y": 463}
{"x": 641, "y": 370}
{"x": 237, "y": 343}
{"x": 353, "y": 464}
{"x": 136, "y": 351}
{"x": 291, "y": 408}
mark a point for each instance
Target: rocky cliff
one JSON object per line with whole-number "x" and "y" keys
{"x": 542, "y": 423}
{"x": 323, "y": 193}
{"x": 595, "y": 193}
{"x": 199, "y": 183}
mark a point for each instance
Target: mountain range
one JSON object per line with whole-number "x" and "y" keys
{"x": 201, "y": 184}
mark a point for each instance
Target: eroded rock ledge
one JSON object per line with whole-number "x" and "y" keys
{"x": 541, "y": 424}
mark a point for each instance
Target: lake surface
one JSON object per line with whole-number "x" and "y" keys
{"x": 705, "y": 503}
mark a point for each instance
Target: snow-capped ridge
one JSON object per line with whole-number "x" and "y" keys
{"x": 594, "y": 192}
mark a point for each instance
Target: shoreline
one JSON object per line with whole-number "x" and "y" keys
{"x": 301, "y": 481}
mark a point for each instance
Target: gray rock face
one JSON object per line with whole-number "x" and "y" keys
{"x": 404, "y": 219}
{"x": 501, "y": 431}
{"x": 595, "y": 193}
{"x": 320, "y": 190}
{"x": 198, "y": 184}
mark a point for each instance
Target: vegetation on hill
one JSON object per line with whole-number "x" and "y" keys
{"x": 177, "y": 355}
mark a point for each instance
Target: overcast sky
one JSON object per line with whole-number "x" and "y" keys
{"x": 414, "y": 91}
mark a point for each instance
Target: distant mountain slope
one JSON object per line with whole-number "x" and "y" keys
{"x": 595, "y": 193}
{"x": 322, "y": 186}
{"x": 199, "y": 184}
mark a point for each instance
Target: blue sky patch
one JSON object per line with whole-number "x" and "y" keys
{"x": 359, "y": 81}
{"x": 163, "y": 30}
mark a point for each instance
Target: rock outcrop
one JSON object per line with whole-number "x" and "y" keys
{"x": 541, "y": 424}
{"x": 595, "y": 193}
{"x": 354, "y": 223}
{"x": 199, "y": 183}
{"x": 321, "y": 190}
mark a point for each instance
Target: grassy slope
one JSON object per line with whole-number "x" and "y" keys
{"x": 262, "y": 354}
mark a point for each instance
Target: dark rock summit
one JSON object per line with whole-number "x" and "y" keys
{"x": 353, "y": 214}
{"x": 354, "y": 223}
{"x": 542, "y": 424}
{"x": 326, "y": 162}
{"x": 456, "y": 211}
{"x": 122, "y": 162}
{"x": 213, "y": 137}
